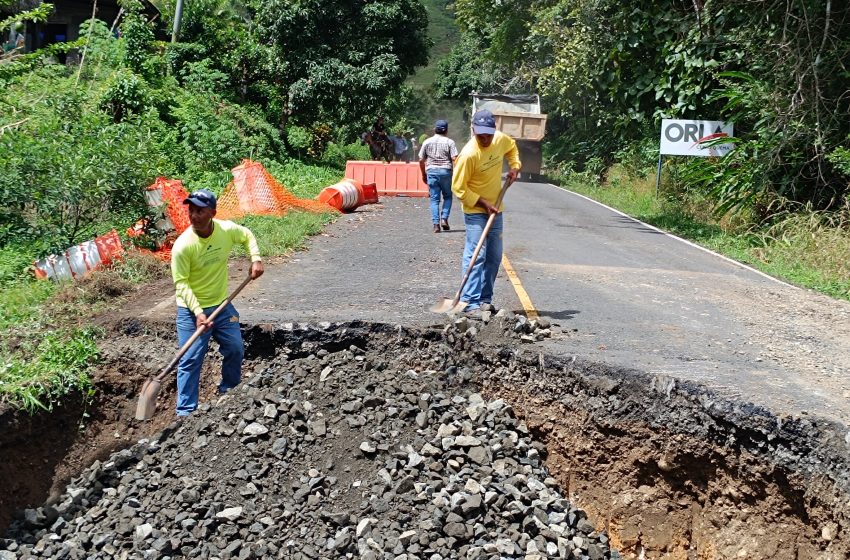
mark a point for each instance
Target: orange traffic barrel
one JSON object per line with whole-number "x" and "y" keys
{"x": 370, "y": 193}
{"x": 345, "y": 195}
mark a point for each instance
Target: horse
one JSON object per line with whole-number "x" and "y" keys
{"x": 379, "y": 146}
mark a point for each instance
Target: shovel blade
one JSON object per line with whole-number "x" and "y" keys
{"x": 147, "y": 399}
{"x": 445, "y": 305}
{"x": 458, "y": 308}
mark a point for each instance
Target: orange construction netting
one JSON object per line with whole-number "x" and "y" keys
{"x": 173, "y": 194}
{"x": 254, "y": 191}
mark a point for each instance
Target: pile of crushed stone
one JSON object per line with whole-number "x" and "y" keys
{"x": 507, "y": 324}
{"x": 359, "y": 453}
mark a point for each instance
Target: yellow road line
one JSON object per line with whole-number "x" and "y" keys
{"x": 530, "y": 311}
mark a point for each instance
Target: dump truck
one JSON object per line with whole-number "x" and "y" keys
{"x": 518, "y": 116}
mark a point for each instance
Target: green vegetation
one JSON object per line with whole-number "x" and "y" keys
{"x": 280, "y": 236}
{"x": 443, "y": 34}
{"x": 422, "y": 105}
{"x": 60, "y": 367}
{"x": 46, "y": 349}
{"x": 607, "y": 76}
{"x": 288, "y": 85}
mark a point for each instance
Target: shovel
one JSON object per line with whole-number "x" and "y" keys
{"x": 447, "y": 305}
{"x": 147, "y": 398}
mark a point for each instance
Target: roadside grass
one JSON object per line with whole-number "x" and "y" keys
{"x": 304, "y": 180}
{"x": 36, "y": 375}
{"x": 47, "y": 346}
{"x": 805, "y": 248}
{"x": 279, "y": 236}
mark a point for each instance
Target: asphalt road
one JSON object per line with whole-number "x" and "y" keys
{"x": 628, "y": 294}
{"x": 620, "y": 292}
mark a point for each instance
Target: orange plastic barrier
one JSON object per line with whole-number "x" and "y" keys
{"x": 109, "y": 246}
{"x": 370, "y": 193}
{"x": 171, "y": 193}
{"x": 392, "y": 179}
{"x": 254, "y": 191}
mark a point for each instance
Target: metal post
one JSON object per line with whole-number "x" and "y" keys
{"x": 658, "y": 175}
{"x": 178, "y": 15}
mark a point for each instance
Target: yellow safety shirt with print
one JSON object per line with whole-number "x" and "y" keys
{"x": 199, "y": 265}
{"x": 478, "y": 171}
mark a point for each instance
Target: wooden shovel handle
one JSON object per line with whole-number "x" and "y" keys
{"x": 200, "y": 330}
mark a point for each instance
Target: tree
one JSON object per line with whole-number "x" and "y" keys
{"x": 341, "y": 59}
{"x": 608, "y": 74}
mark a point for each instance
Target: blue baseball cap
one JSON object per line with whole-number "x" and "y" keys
{"x": 441, "y": 126}
{"x": 483, "y": 122}
{"x": 202, "y": 198}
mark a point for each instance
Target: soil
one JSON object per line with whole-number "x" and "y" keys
{"x": 41, "y": 453}
{"x": 673, "y": 472}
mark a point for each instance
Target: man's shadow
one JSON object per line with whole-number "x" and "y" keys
{"x": 564, "y": 315}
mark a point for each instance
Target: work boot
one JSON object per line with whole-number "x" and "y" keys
{"x": 446, "y": 225}
{"x": 436, "y": 228}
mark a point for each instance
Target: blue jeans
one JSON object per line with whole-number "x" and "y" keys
{"x": 479, "y": 287}
{"x": 226, "y": 332}
{"x": 440, "y": 184}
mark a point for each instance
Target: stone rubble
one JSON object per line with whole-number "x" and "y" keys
{"x": 325, "y": 453}
{"x": 509, "y": 324}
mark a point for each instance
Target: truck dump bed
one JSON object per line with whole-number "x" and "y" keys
{"x": 517, "y": 116}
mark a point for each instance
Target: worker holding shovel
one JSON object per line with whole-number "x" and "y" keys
{"x": 476, "y": 183}
{"x": 199, "y": 269}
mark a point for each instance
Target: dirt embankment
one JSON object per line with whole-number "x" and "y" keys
{"x": 672, "y": 470}
{"x": 665, "y": 469}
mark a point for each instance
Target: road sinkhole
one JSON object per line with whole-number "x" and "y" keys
{"x": 363, "y": 440}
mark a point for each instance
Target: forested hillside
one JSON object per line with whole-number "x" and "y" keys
{"x": 609, "y": 71}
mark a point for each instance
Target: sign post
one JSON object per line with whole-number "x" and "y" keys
{"x": 658, "y": 175}
{"x": 692, "y": 138}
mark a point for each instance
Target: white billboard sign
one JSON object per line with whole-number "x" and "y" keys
{"x": 688, "y": 138}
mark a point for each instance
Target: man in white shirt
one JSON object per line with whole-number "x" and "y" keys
{"x": 436, "y": 160}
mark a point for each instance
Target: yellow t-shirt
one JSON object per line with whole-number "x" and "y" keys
{"x": 199, "y": 265}
{"x": 478, "y": 171}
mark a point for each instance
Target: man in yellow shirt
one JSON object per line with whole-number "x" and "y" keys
{"x": 476, "y": 182}
{"x": 199, "y": 269}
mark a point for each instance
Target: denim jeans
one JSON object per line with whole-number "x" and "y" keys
{"x": 479, "y": 287}
{"x": 226, "y": 332}
{"x": 440, "y": 184}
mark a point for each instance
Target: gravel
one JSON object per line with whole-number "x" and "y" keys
{"x": 326, "y": 453}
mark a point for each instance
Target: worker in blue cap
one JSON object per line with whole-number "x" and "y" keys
{"x": 477, "y": 183}
{"x": 436, "y": 160}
